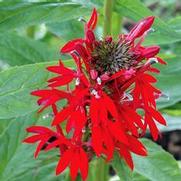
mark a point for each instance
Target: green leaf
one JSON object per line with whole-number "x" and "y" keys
{"x": 169, "y": 82}
{"x": 17, "y": 162}
{"x": 136, "y": 10}
{"x": 121, "y": 168}
{"x": 158, "y": 165}
{"x": 15, "y": 15}
{"x": 67, "y": 30}
{"x": 173, "y": 123}
{"x": 15, "y": 86}
{"x": 175, "y": 23}
{"x": 16, "y": 50}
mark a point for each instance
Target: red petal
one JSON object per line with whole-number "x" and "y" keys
{"x": 91, "y": 24}
{"x": 110, "y": 106}
{"x": 151, "y": 51}
{"x": 94, "y": 110}
{"x": 52, "y": 145}
{"x": 80, "y": 118}
{"x": 97, "y": 140}
{"x": 124, "y": 152}
{"x": 40, "y": 145}
{"x": 117, "y": 132}
{"x": 157, "y": 116}
{"x": 153, "y": 128}
{"x": 39, "y": 129}
{"x": 81, "y": 51}
{"x": 117, "y": 74}
{"x": 149, "y": 78}
{"x": 64, "y": 161}
{"x": 62, "y": 115}
{"x": 141, "y": 27}
{"x": 60, "y": 80}
{"x": 90, "y": 37}
{"x": 75, "y": 164}
{"x": 161, "y": 60}
{"x": 109, "y": 144}
{"x": 33, "y": 139}
{"x": 70, "y": 46}
{"x": 129, "y": 121}
{"x": 136, "y": 146}
{"x": 83, "y": 164}
{"x": 60, "y": 69}
{"x": 40, "y": 93}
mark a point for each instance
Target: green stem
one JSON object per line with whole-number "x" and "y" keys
{"x": 102, "y": 170}
{"x": 117, "y": 25}
{"x": 108, "y": 7}
{"x": 68, "y": 177}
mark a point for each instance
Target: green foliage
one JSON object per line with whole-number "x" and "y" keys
{"x": 17, "y": 163}
{"x": 16, "y": 85}
{"x": 16, "y": 50}
{"x": 14, "y": 15}
{"x": 158, "y": 165}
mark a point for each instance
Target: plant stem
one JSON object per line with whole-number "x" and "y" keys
{"x": 117, "y": 25}
{"x": 108, "y": 6}
{"x": 102, "y": 170}
{"x": 68, "y": 177}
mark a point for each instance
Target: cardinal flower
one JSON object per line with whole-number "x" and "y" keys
{"x": 109, "y": 83}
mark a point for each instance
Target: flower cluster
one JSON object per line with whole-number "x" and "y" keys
{"x": 110, "y": 99}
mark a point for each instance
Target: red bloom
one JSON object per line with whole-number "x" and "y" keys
{"x": 103, "y": 94}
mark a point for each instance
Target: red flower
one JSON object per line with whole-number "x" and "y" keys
{"x": 42, "y": 136}
{"x": 103, "y": 94}
{"x": 77, "y": 159}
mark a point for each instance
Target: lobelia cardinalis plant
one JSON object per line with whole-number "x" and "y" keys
{"x": 104, "y": 94}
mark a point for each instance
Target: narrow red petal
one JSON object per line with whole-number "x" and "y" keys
{"x": 152, "y": 126}
{"x": 161, "y": 61}
{"x": 91, "y": 24}
{"x": 110, "y": 106}
{"x": 150, "y": 51}
{"x": 141, "y": 27}
{"x": 40, "y": 145}
{"x": 60, "y": 80}
{"x": 83, "y": 164}
{"x": 62, "y": 115}
{"x": 33, "y": 139}
{"x": 157, "y": 116}
{"x": 124, "y": 153}
{"x": 64, "y": 161}
{"x": 149, "y": 78}
{"x": 75, "y": 164}
{"x": 39, "y": 129}
{"x": 70, "y": 46}
{"x": 136, "y": 146}
{"x": 117, "y": 132}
